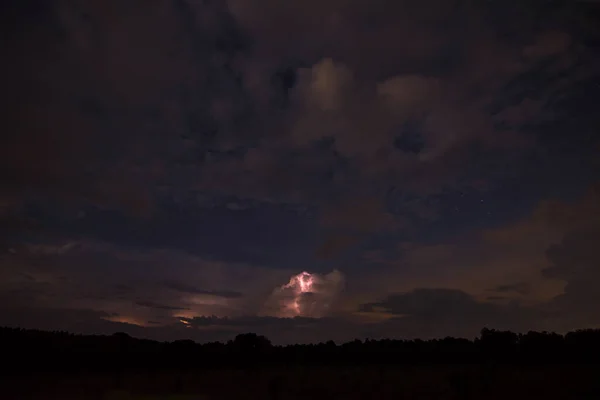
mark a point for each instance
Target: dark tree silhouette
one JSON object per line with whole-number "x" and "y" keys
{"x": 251, "y": 342}
{"x": 120, "y": 351}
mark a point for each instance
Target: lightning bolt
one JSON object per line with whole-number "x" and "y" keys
{"x": 301, "y": 283}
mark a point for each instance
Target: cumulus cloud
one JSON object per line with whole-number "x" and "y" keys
{"x": 306, "y": 294}
{"x": 324, "y": 85}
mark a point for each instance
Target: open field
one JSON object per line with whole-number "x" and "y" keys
{"x": 416, "y": 382}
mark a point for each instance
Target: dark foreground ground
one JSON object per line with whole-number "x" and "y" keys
{"x": 496, "y": 365}
{"x": 332, "y": 382}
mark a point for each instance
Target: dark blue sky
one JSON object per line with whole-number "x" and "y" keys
{"x": 170, "y": 161}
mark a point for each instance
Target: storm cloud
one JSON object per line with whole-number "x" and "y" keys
{"x": 169, "y": 161}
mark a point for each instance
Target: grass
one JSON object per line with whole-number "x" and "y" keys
{"x": 125, "y": 395}
{"x": 348, "y": 383}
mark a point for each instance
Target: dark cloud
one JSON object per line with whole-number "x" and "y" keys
{"x": 54, "y": 319}
{"x": 101, "y": 88}
{"x": 151, "y": 304}
{"x": 426, "y": 302}
{"x": 334, "y": 245}
{"x": 440, "y": 312}
{"x": 181, "y": 287}
{"x": 265, "y": 230}
{"x": 576, "y": 261}
{"x": 519, "y": 287}
{"x": 194, "y": 157}
{"x": 358, "y": 215}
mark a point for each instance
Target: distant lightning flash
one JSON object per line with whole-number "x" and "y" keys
{"x": 302, "y": 282}
{"x": 299, "y": 284}
{"x": 305, "y": 295}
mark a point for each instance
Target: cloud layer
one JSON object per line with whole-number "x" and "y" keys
{"x": 184, "y": 163}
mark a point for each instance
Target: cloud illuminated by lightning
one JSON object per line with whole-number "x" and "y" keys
{"x": 305, "y": 295}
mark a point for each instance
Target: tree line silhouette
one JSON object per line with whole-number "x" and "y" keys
{"x": 35, "y": 350}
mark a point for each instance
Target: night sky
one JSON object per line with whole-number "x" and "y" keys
{"x": 168, "y": 167}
